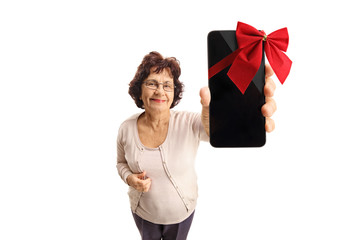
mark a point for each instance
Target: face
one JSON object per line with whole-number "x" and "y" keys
{"x": 157, "y": 100}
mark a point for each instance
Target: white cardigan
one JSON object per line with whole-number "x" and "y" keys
{"x": 178, "y": 153}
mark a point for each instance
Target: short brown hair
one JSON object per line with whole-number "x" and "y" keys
{"x": 155, "y": 59}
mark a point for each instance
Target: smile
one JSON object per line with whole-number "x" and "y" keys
{"x": 158, "y": 100}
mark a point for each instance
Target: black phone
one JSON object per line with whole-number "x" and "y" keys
{"x": 235, "y": 118}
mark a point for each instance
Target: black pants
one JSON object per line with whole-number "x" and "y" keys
{"x": 152, "y": 231}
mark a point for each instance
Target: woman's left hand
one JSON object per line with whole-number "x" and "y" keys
{"x": 267, "y": 109}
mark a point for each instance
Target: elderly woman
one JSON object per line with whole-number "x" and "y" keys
{"x": 156, "y": 149}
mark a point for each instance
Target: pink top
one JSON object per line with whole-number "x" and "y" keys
{"x": 162, "y": 204}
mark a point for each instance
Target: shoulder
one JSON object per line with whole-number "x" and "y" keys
{"x": 129, "y": 124}
{"x": 130, "y": 120}
{"x": 185, "y": 118}
{"x": 184, "y": 115}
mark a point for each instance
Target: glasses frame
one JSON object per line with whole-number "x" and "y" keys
{"x": 157, "y": 85}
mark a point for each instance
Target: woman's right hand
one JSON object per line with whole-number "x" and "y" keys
{"x": 139, "y": 181}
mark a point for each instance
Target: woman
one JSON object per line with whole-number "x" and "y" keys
{"x": 156, "y": 149}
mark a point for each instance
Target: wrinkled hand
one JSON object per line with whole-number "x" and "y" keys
{"x": 267, "y": 109}
{"x": 139, "y": 181}
{"x": 205, "y": 96}
{"x": 205, "y": 101}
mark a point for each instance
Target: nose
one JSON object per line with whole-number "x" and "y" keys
{"x": 160, "y": 89}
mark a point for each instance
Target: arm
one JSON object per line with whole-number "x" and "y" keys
{"x": 122, "y": 165}
{"x": 137, "y": 181}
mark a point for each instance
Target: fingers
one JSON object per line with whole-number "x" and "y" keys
{"x": 268, "y": 70}
{"x": 269, "y": 87}
{"x": 143, "y": 185}
{"x": 142, "y": 175}
{"x": 205, "y": 96}
{"x": 147, "y": 184}
{"x": 140, "y": 182}
{"x": 269, "y": 108}
{"x": 269, "y": 125}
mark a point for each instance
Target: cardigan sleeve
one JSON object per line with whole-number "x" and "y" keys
{"x": 122, "y": 165}
{"x": 199, "y": 127}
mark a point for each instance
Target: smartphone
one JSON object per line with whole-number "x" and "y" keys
{"x": 235, "y": 118}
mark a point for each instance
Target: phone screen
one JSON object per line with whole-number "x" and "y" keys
{"x": 235, "y": 118}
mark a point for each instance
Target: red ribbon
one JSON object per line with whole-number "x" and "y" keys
{"x": 246, "y": 60}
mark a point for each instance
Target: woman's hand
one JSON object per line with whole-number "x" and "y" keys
{"x": 205, "y": 101}
{"x": 139, "y": 181}
{"x": 267, "y": 109}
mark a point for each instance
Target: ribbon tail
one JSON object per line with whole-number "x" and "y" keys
{"x": 278, "y": 60}
{"x": 242, "y": 72}
{"x": 245, "y": 66}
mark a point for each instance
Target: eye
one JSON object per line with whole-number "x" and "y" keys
{"x": 168, "y": 85}
{"x": 151, "y": 83}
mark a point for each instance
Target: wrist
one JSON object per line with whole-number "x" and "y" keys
{"x": 128, "y": 179}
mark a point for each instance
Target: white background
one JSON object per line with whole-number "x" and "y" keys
{"x": 64, "y": 71}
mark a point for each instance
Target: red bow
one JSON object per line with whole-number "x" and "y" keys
{"x": 246, "y": 59}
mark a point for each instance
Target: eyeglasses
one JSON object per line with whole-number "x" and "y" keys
{"x": 154, "y": 85}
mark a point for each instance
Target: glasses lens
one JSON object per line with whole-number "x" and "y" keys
{"x": 168, "y": 87}
{"x": 152, "y": 84}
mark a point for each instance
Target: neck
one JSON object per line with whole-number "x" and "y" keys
{"x": 157, "y": 120}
